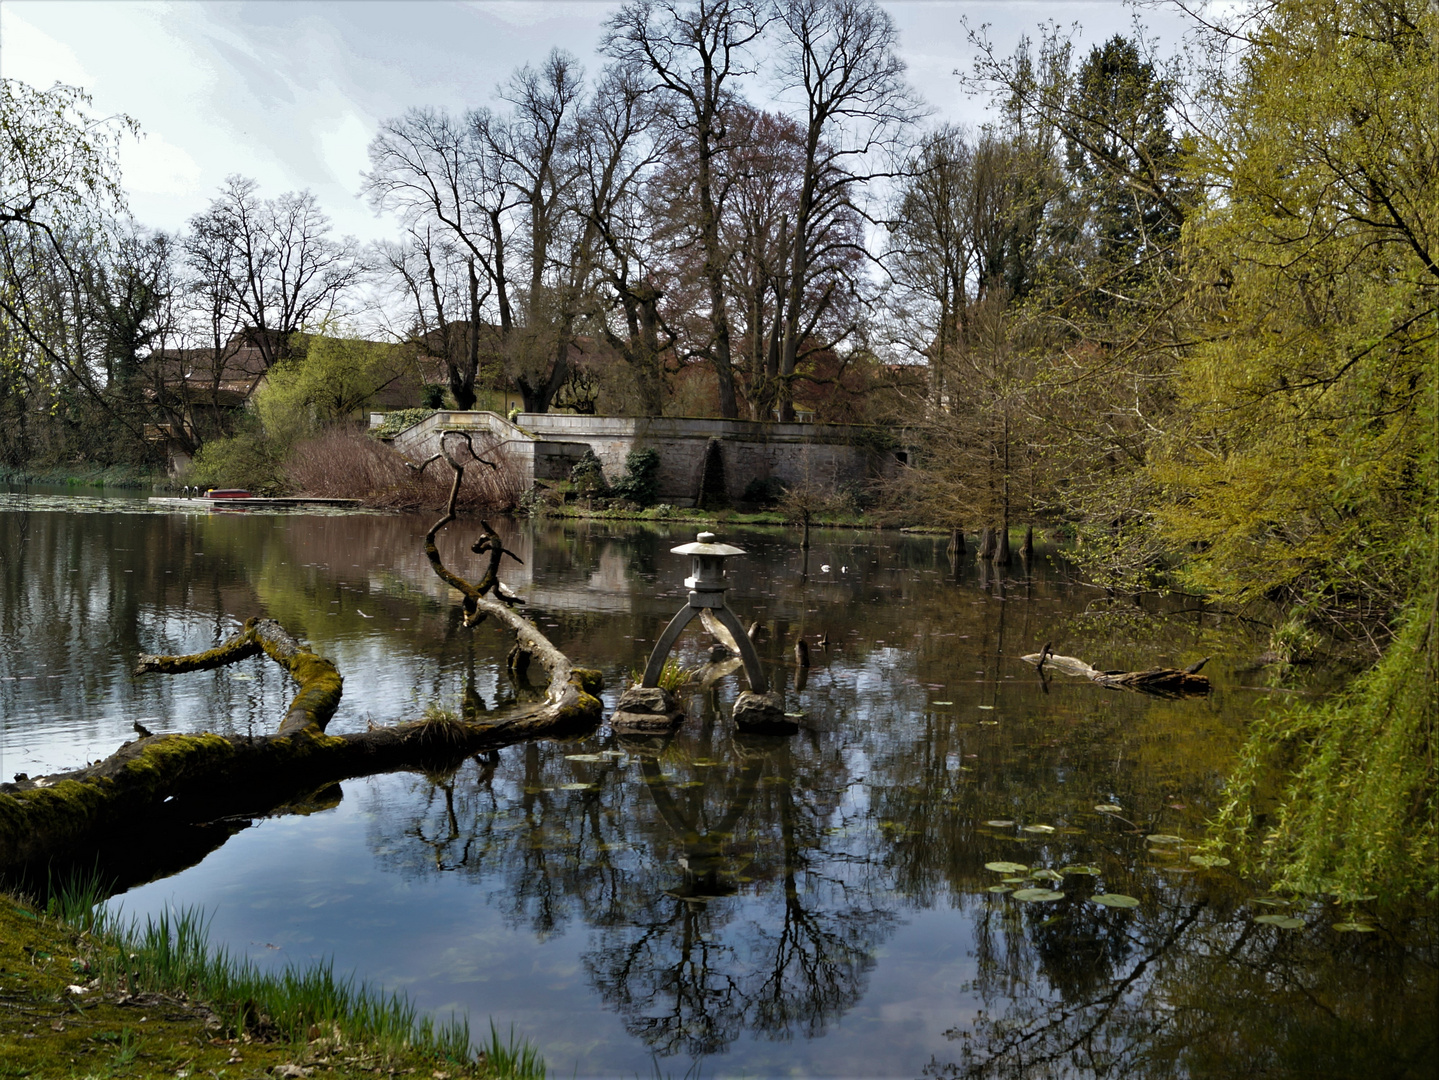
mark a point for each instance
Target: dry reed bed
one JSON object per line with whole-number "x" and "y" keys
{"x": 352, "y": 465}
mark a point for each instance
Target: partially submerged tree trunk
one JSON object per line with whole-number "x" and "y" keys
{"x": 166, "y": 779}
{"x": 1161, "y": 681}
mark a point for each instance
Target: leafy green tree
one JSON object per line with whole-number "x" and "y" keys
{"x": 1303, "y": 465}
{"x": 1306, "y": 466}
{"x": 1122, "y": 156}
{"x": 328, "y": 385}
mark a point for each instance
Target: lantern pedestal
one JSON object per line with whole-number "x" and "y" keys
{"x": 762, "y": 714}
{"x": 647, "y": 710}
{"x": 758, "y": 709}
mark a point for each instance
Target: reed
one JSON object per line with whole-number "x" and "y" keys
{"x": 343, "y": 464}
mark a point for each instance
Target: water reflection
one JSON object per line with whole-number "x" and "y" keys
{"x": 767, "y": 905}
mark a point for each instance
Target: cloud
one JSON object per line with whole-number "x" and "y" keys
{"x": 343, "y": 148}
{"x": 29, "y": 54}
{"x": 152, "y": 165}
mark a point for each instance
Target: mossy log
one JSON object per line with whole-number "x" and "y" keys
{"x": 168, "y": 779}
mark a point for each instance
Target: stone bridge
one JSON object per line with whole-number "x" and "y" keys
{"x": 546, "y": 446}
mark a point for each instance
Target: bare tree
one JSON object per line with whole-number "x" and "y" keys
{"x": 537, "y": 143}
{"x": 446, "y": 298}
{"x": 692, "y": 52}
{"x": 625, "y": 135}
{"x": 840, "y": 54}
{"x": 449, "y": 186}
{"x": 289, "y": 272}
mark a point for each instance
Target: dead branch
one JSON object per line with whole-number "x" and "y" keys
{"x": 1160, "y": 681}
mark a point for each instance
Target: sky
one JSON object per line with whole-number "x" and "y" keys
{"x": 290, "y": 93}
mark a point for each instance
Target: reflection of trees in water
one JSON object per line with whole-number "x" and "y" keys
{"x": 687, "y": 977}
{"x": 1204, "y": 992}
{"x": 653, "y": 854}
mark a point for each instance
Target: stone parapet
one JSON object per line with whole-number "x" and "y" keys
{"x": 545, "y": 446}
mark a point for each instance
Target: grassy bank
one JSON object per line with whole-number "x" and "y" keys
{"x": 81, "y": 996}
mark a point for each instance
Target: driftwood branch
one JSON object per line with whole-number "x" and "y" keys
{"x": 1160, "y": 681}
{"x": 160, "y": 781}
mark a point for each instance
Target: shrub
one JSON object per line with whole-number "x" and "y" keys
{"x": 588, "y": 476}
{"x": 399, "y": 420}
{"x": 247, "y": 459}
{"x": 641, "y": 482}
{"x": 764, "y": 491}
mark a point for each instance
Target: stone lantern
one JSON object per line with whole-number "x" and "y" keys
{"x": 648, "y": 707}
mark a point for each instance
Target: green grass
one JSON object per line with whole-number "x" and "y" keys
{"x": 301, "y": 1012}
{"x": 672, "y": 676}
{"x": 171, "y": 952}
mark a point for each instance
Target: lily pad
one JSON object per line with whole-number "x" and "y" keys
{"x": 1108, "y": 808}
{"x": 578, "y": 786}
{"x": 1284, "y": 922}
{"x": 1007, "y": 867}
{"x": 1093, "y": 871}
{"x": 1115, "y": 900}
{"x": 1047, "y": 875}
{"x": 1018, "y": 880}
{"x": 999, "y": 823}
{"x": 989, "y": 723}
{"x": 584, "y": 757}
{"x": 999, "y": 889}
{"x": 1353, "y": 928}
{"x": 1164, "y": 838}
{"x": 1209, "y": 860}
{"x": 1042, "y": 896}
{"x": 989, "y": 708}
{"x": 941, "y": 703}
{"x": 1039, "y": 828}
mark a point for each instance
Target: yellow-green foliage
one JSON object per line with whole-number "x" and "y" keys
{"x": 1301, "y": 466}
{"x": 1307, "y": 466}
{"x": 328, "y": 384}
{"x": 1357, "y": 812}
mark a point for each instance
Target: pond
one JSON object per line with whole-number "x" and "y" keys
{"x": 715, "y": 904}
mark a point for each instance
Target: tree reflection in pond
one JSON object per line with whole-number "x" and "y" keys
{"x": 1203, "y": 993}
{"x": 721, "y": 875}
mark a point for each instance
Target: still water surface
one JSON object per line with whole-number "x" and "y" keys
{"x": 810, "y": 906}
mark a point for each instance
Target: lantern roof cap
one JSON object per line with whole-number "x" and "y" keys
{"x": 704, "y": 545}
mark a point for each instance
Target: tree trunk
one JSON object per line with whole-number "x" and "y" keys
{"x": 1002, "y": 556}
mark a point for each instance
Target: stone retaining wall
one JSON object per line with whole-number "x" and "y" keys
{"x": 545, "y": 446}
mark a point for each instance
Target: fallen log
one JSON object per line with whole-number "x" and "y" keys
{"x": 1159, "y": 681}
{"x": 159, "y": 781}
